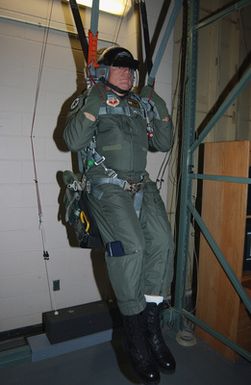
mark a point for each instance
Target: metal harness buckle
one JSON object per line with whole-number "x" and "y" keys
{"x": 132, "y": 187}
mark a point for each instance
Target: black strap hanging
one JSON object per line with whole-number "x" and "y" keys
{"x": 150, "y": 46}
{"x": 144, "y": 22}
{"x": 80, "y": 28}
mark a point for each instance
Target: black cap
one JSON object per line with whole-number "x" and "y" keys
{"x": 118, "y": 57}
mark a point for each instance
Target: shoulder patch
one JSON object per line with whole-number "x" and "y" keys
{"x": 75, "y": 103}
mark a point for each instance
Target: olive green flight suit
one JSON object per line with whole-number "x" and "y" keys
{"x": 120, "y": 129}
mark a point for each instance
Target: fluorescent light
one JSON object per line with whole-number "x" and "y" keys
{"x": 116, "y": 7}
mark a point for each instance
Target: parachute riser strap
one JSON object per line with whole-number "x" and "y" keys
{"x": 144, "y": 22}
{"x": 93, "y": 45}
{"x": 80, "y": 28}
{"x": 92, "y": 53}
{"x": 169, "y": 28}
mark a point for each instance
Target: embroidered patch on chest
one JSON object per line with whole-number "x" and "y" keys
{"x": 133, "y": 103}
{"x": 112, "y": 101}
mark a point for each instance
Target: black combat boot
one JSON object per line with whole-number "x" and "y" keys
{"x": 153, "y": 333}
{"x": 139, "y": 351}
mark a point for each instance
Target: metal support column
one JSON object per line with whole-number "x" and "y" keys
{"x": 186, "y": 161}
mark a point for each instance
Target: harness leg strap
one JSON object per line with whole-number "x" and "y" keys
{"x": 138, "y": 198}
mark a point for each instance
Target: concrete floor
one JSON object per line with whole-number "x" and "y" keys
{"x": 107, "y": 364}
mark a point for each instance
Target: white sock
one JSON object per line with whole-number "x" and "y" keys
{"x": 154, "y": 298}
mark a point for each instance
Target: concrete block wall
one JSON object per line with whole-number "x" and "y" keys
{"x": 24, "y": 293}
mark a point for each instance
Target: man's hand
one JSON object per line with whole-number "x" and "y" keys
{"x": 149, "y": 93}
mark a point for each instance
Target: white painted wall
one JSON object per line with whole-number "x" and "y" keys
{"x": 24, "y": 293}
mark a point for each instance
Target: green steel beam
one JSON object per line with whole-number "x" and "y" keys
{"x": 186, "y": 161}
{"x": 243, "y": 82}
{"x": 222, "y": 13}
{"x": 244, "y": 353}
{"x": 221, "y": 259}
{"x": 221, "y": 178}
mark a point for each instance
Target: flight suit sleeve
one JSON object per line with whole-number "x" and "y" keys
{"x": 160, "y": 120}
{"x": 79, "y": 129}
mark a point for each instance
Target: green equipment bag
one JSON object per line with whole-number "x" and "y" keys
{"x": 77, "y": 212}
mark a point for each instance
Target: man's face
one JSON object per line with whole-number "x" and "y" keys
{"x": 121, "y": 77}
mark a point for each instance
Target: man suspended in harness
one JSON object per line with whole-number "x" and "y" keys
{"x": 114, "y": 128}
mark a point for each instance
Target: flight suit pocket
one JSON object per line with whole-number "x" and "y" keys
{"x": 125, "y": 275}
